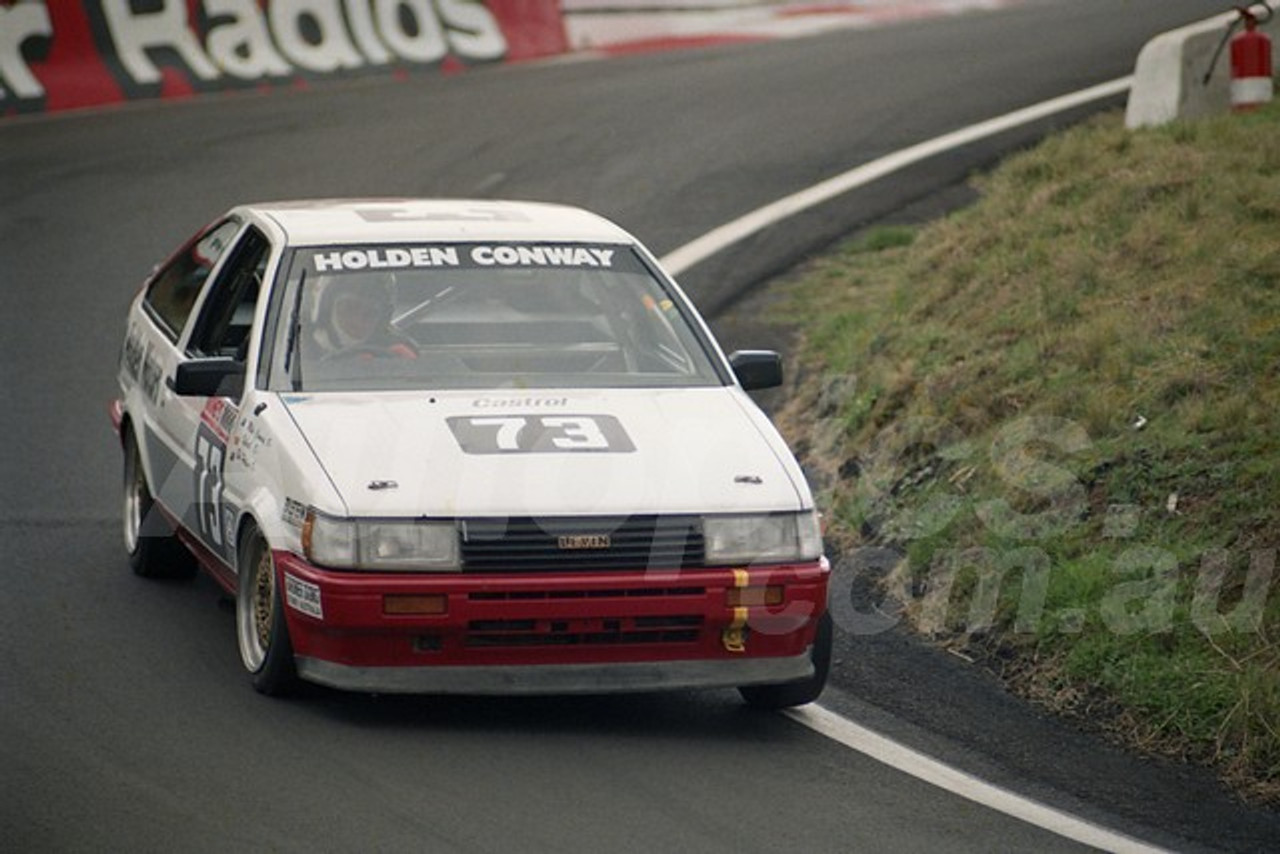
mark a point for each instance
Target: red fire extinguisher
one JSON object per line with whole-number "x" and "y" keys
{"x": 1251, "y": 84}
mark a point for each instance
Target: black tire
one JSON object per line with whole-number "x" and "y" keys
{"x": 261, "y": 631}
{"x": 788, "y": 694}
{"x": 153, "y": 548}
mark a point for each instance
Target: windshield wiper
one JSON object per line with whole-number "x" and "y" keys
{"x": 292, "y": 357}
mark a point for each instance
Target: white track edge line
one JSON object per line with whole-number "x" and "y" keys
{"x": 934, "y": 772}
{"x": 722, "y": 237}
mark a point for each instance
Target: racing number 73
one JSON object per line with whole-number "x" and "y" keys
{"x": 209, "y": 485}
{"x": 533, "y": 434}
{"x": 575, "y": 433}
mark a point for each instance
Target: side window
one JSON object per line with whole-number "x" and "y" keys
{"x": 227, "y": 314}
{"x": 174, "y": 289}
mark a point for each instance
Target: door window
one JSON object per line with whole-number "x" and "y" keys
{"x": 227, "y": 314}
{"x": 174, "y": 289}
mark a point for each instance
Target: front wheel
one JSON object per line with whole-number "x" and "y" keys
{"x": 153, "y": 548}
{"x": 790, "y": 694}
{"x": 261, "y": 631}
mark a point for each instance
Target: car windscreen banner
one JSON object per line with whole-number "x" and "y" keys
{"x": 68, "y": 54}
{"x": 472, "y": 256}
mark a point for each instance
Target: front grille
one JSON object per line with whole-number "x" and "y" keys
{"x": 581, "y": 543}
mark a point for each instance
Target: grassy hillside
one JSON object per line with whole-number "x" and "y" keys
{"x": 1062, "y": 407}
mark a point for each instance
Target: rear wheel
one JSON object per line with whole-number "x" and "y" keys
{"x": 790, "y": 694}
{"x": 261, "y": 631}
{"x": 154, "y": 550}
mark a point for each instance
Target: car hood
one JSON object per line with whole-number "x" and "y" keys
{"x": 607, "y": 452}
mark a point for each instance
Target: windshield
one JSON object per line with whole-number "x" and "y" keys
{"x": 482, "y": 316}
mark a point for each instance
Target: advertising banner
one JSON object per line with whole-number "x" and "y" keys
{"x": 66, "y": 54}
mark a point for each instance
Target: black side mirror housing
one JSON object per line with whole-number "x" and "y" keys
{"x": 209, "y": 378}
{"x": 756, "y": 369}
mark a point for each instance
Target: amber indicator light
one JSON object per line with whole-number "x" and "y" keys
{"x": 415, "y": 604}
{"x": 746, "y": 597}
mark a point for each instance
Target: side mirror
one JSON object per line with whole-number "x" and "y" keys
{"x": 209, "y": 378}
{"x": 756, "y": 369}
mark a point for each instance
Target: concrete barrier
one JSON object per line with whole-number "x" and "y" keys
{"x": 1169, "y": 76}
{"x": 68, "y": 54}
{"x": 626, "y": 26}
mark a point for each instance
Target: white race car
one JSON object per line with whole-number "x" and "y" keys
{"x": 465, "y": 447}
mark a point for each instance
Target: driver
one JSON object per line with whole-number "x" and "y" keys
{"x": 354, "y": 316}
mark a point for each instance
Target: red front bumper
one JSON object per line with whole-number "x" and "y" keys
{"x": 553, "y": 632}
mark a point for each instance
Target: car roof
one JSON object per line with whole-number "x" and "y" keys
{"x": 338, "y": 221}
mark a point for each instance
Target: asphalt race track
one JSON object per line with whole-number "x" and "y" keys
{"x": 126, "y": 723}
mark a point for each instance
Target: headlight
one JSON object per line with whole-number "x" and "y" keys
{"x": 381, "y": 544}
{"x": 763, "y": 538}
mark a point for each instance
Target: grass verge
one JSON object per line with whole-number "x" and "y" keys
{"x": 1061, "y": 407}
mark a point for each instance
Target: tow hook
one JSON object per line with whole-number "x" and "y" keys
{"x": 734, "y": 636}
